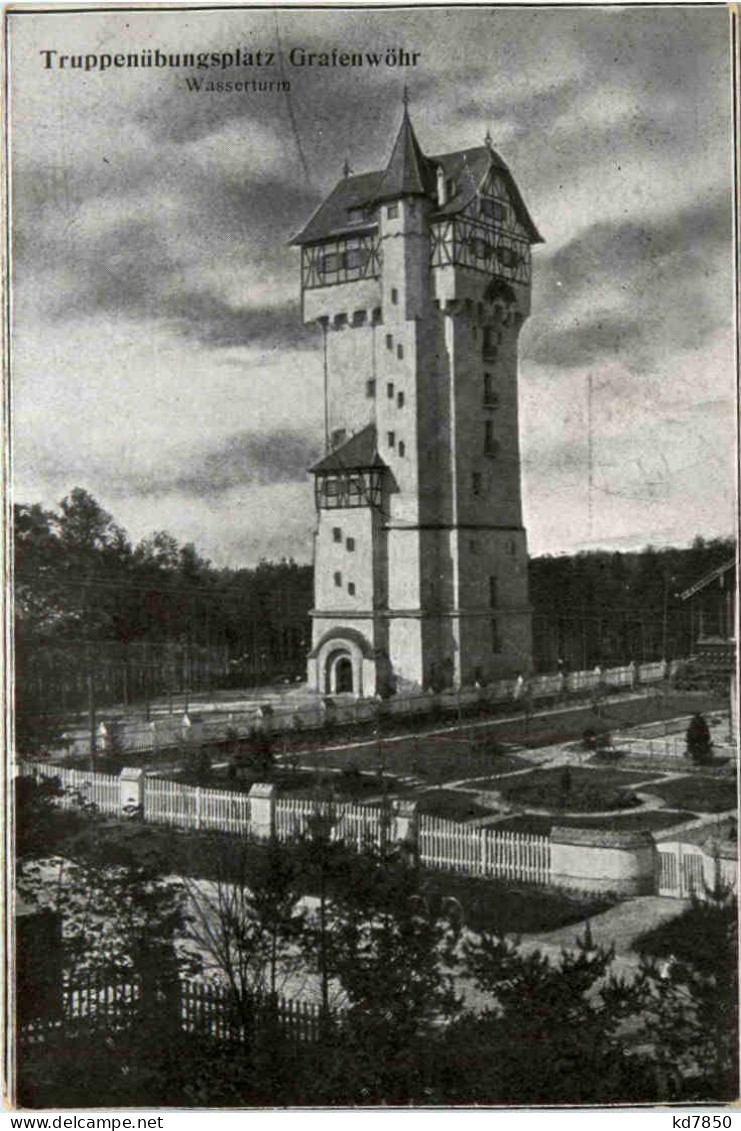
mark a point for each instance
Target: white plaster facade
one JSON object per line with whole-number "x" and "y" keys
{"x": 425, "y": 584}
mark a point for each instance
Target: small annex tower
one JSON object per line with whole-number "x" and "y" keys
{"x": 419, "y": 277}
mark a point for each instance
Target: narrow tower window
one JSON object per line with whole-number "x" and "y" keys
{"x": 490, "y": 444}
{"x": 400, "y": 400}
{"x": 493, "y": 595}
{"x": 337, "y": 533}
{"x": 402, "y": 449}
{"x": 390, "y": 390}
{"x": 399, "y": 352}
{"x": 490, "y": 397}
{"x": 392, "y": 211}
{"x": 350, "y": 544}
{"x": 394, "y": 295}
{"x": 370, "y": 388}
{"x": 351, "y": 588}
{"x": 389, "y": 341}
{"x": 496, "y": 643}
{"x": 391, "y": 438}
{"x": 338, "y": 579}
{"x": 476, "y": 483}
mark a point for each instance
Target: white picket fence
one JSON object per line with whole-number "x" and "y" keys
{"x": 441, "y": 843}
{"x": 192, "y": 807}
{"x": 669, "y": 746}
{"x": 136, "y": 735}
{"x": 102, "y": 790}
{"x": 484, "y": 852}
{"x": 355, "y": 824}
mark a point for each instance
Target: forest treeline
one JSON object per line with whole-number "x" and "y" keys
{"x": 141, "y": 619}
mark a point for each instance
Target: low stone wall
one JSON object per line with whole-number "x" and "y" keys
{"x": 603, "y": 860}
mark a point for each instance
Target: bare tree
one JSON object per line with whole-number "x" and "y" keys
{"x": 247, "y": 920}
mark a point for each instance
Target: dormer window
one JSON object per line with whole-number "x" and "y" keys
{"x": 451, "y": 188}
{"x": 362, "y": 214}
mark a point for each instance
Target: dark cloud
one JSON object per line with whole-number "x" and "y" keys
{"x": 535, "y": 112}
{"x": 132, "y": 269}
{"x": 202, "y": 317}
{"x": 656, "y": 275}
{"x": 635, "y": 251}
{"x": 244, "y": 459}
{"x": 603, "y": 336}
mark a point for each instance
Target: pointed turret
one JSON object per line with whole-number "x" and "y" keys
{"x": 409, "y": 172}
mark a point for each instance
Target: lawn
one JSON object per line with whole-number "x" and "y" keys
{"x": 573, "y": 789}
{"x": 652, "y": 819}
{"x": 685, "y": 936}
{"x": 322, "y": 784}
{"x": 430, "y": 758}
{"x": 509, "y": 908}
{"x": 472, "y": 750}
{"x": 451, "y": 803}
{"x": 704, "y": 794}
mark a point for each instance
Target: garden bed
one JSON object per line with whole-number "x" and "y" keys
{"x": 572, "y": 789}
{"x": 651, "y": 820}
{"x": 435, "y": 759}
{"x": 705, "y": 794}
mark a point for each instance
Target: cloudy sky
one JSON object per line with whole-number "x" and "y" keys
{"x": 158, "y": 355}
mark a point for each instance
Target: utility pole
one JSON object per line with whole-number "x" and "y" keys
{"x": 590, "y": 453}
{"x": 90, "y": 675}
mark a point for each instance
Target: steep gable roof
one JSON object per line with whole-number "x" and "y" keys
{"x": 331, "y": 217}
{"x": 469, "y": 168}
{"x": 410, "y": 173}
{"x": 358, "y": 453}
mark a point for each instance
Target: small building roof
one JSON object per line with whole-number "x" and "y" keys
{"x": 358, "y": 453}
{"x": 410, "y": 173}
{"x": 708, "y": 578}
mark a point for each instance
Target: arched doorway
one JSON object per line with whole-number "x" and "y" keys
{"x": 339, "y": 678}
{"x": 343, "y": 675}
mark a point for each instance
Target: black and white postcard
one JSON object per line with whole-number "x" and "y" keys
{"x": 371, "y": 670}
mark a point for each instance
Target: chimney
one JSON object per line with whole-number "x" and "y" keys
{"x": 440, "y": 186}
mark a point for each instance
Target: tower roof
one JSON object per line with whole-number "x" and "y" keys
{"x": 409, "y": 172}
{"x": 358, "y": 453}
